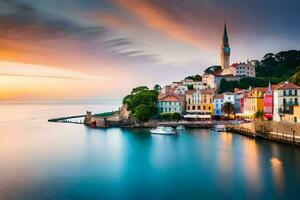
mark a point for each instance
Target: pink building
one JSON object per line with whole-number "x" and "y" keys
{"x": 268, "y": 103}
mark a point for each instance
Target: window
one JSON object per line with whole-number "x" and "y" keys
{"x": 188, "y": 107}
{"x": 198, "y": 108}
{"x": 296, "y": 92}
{"x": 208, "y": 107}
{"x": 284, "y": 93}
{"x": 204, "y": 107}
{"x": 296, "y": 101}
{"x": 290, "y": 92}
{"x": 194, "y": 107}
{"x": 284, "y": 101}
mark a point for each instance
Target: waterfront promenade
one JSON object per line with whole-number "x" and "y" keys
{"x": 275, "y": 131}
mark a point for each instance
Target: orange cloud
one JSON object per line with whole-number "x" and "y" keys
{"x": 111, "y": 20}
{"x": 156, "y": 18}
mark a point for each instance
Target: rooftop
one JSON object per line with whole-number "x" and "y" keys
{"x": 287, "y": 85}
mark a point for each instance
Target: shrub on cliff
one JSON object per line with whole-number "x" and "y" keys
{"x": 141, "y": 102}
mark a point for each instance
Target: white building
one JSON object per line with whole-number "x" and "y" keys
{"x": 181, "y": 89}
{"x": 243, "y": 69}
{"x": 209, "y": 80}
{"x": 286, "y": 96}
{"x": 229, "y": 97}
{"x": 219, "y": 101}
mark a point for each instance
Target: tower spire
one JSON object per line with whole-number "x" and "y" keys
{"x": 225, "y": 36}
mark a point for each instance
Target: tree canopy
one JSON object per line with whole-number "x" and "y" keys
{"x": 195, "y": 78}
{"x": 278, "y": 65}
{"x": 228, "y": 108}
{"x": 213, "y": 69}
{"x": 141, "y": 102}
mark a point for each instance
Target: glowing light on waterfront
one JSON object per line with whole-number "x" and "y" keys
{"x": 277, "y": 174}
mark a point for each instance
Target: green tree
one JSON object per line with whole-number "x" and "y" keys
{"x": 228, "y": 108}
{"x": 227, "y": 86}
{"x": 139, "y": 89}
{"x": 190, "y": 87}
{"x": 171, "y": 116}
{"x": 144, "y": 112}
{"x": 157, "y": 88}
{"x": 195, "y": 78}
{"x": 259, "y": 115}
{"x": 213, "y": 69}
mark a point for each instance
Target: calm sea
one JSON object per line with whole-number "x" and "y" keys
{"x": 41, "y": 160}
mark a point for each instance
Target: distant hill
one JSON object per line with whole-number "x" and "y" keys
{"x": 295, "y": 78}
{"x": 281, "y": 65}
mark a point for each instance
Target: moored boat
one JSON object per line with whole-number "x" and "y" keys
{"x": 163, "y": 130}
{"x": 219, "y": 128}
{"x": 180, "y": 128}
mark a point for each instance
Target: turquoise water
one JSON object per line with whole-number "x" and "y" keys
{"x": 41, "y": 160}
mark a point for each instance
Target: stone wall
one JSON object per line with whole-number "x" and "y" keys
{"x": 273, "y": 126}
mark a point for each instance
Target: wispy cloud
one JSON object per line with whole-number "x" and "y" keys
{"x": 42, "y": 76}
{"x": 155, "y": 17}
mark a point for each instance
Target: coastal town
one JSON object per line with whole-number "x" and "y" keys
{"x": 202, "y": 101}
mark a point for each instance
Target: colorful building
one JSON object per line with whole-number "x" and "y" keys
{"x": 218, "y": 104}
{"x": 268, "y": 103}
{"x": 294, "y": 117}
{"x": 199, "y": 101}
{"x": 286, "y": 97}
{"x": 254, "y": 101}
{"x": 170, "y": 103}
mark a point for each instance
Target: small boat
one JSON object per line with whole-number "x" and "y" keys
{"x": 163, "y": 130}
{"x": 180, "y": 128}
{"x": 219, "y": 128}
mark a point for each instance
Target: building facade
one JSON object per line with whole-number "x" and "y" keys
{"x": 218, "y": 104}
{"x": 170, "y": 103}
{"x": 199, "y": 101}
{"x": 268, "y": 103}
{"x": 254, "y": 101}
{"x": 286, "y": 97}
{"x": 243, "y": 69}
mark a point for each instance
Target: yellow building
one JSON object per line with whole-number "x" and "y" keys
{"x": 293, "y": 118}
{"x": 200, "y": 101}
{"x": 254, "y": 101}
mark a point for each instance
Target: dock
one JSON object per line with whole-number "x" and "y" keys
{"x": 67, "y": 119}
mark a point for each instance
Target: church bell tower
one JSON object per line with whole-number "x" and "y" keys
{"x": 225, "y": 52}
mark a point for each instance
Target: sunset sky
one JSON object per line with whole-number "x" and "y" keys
{"x": 100, "y": 49}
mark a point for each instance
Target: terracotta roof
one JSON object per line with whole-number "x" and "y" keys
{"x": 190, "y": 92}
{"x": 170, "y": 97}
{"x": 220, "y": 96}
{"x": 207, "y": 91}
{"x": 234, "y": 65}
{"x": 260, "y": 89}
{"x": 287, "y": 85}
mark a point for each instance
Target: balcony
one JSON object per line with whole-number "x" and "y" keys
{"x": 286, "y": 110}
{"x": 290, "y": 103}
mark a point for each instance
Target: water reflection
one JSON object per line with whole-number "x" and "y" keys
{"x": 252, "y": 164}
{"x": 277, "y": 173}
{"x": 225, "y": 155}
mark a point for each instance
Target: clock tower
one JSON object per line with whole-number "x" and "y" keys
{"x": 225, "y": 53}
